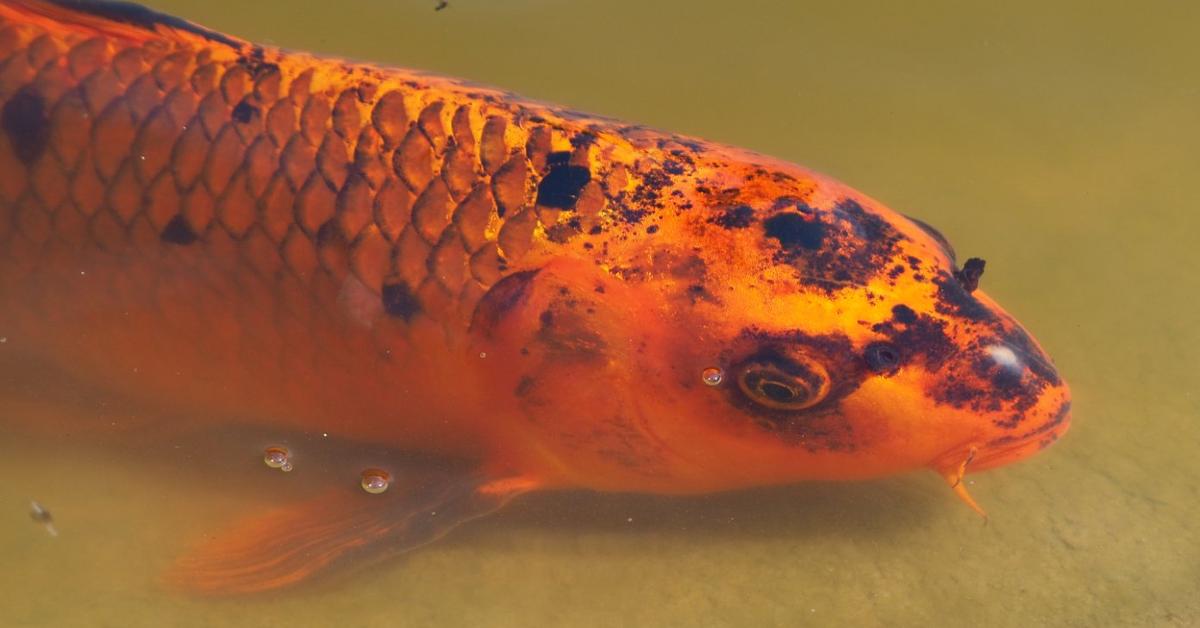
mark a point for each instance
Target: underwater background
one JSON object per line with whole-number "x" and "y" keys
{"x": 1060, "y": 141}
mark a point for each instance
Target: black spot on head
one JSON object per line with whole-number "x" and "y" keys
{"x": 244, "y": 112}
{"x": 794, "y": 231}
{"x": 27, "y": 123}
{"x": 738, "y": 217}
{"x": 969, "y": 276}
{"x": 141, "y": 17}
{"x": 652, "y": 229}
{"x": 558, "y": 158}
{"x": 399, "y": 300}
{"x": 904, "y": 314}
{"x": 562, "y": 185}
{"x": 178, "y": 231}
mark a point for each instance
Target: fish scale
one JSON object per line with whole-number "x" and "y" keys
{"x": 387, "y": 185}
{"x": 230, "y": 219}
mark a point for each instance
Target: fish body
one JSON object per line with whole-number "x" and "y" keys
{"x": 559, "y": 300}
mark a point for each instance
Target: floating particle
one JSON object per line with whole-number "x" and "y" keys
{"x": 39, "y": 514}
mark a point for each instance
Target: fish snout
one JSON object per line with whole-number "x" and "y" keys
{"x": 1029, "y": 404}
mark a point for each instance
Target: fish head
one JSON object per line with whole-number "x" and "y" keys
{"x": 831, "y": 337}
{"x": 776, "y": 326}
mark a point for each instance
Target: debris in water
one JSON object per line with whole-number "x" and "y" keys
{"x": 39, "y": 514}
{"x": 441, "y": 5}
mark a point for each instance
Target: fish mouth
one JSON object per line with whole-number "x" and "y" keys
{"x": 1012, "y": 447}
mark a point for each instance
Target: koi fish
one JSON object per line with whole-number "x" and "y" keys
{"x": 545, "y": 299}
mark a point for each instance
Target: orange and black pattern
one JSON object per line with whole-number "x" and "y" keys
{"x": 136, "y": 135}
{"x": 321, "y": 220}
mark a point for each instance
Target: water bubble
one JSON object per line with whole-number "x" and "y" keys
{"x": 278, "y": 457}
{"x": 376, "y": 481}
{"x": 712, "y": 376}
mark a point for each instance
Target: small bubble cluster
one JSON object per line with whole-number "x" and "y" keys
{"x": 278, "y": 457}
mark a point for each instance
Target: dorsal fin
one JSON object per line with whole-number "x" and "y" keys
{"x": 114, "y": 19}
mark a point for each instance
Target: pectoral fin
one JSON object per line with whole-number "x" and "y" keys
{"x": 338, "y": 527}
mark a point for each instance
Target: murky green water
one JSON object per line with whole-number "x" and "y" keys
{"x": 1059, "y": 142}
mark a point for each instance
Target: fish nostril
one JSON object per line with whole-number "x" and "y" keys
{"x": 1029, "y": 355}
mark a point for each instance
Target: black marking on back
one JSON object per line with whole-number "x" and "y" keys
{"x": 562, "y": 185}
{"x": 244, "y": 112}
{"x": 27, "y": 124}
{"x": 737, "y": 217}
{"x": 178, "y": 231}
{"x": 255, "y": 62}
{"x": 399, "y": 300}
{"x": 142, "y": 17}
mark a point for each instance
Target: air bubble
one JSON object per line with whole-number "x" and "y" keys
{"x": 376, "y": 481}
{"x": 712, "y": 376}
{"x": 278, "y": 458}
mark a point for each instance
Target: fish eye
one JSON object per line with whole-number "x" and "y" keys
{"x": 882, "y": 358}
{"x": 783, "y": 383}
